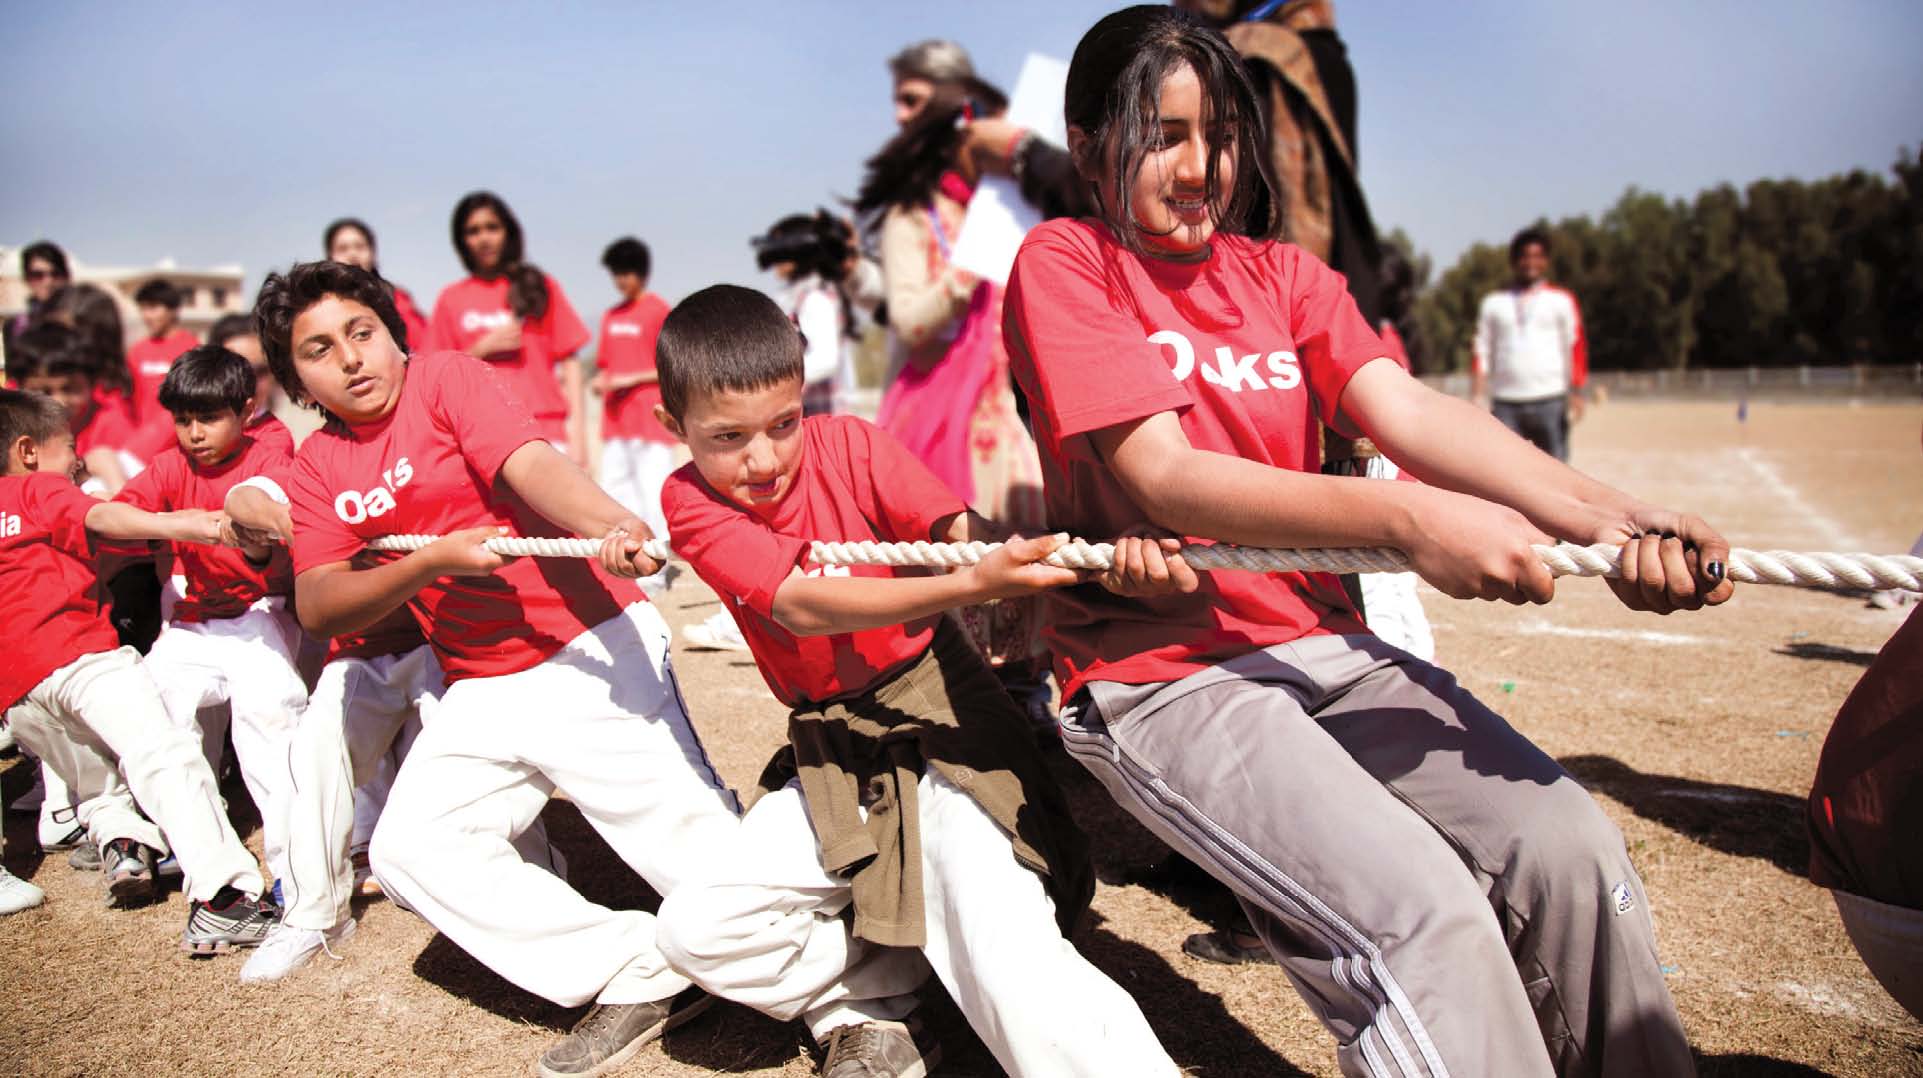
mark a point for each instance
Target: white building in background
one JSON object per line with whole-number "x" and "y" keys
{"x": 205, "y": 294}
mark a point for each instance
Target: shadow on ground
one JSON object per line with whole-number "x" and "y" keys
{"x": 1827, "y": 653}
{"x": 1736, "y": 820}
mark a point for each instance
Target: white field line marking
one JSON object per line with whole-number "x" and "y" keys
{"x": 1538, "y": 627}
{"x": 1831, "y": 534}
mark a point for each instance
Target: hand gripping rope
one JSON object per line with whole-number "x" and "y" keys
{"x": 1809, "y": 570}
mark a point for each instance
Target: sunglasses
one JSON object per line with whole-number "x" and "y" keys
{"x": 40, "y": 274}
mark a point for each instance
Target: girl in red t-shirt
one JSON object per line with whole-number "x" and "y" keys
{"x": 509, "y": 313}
{"x": 350, "y": 240}
{"x": 1366, "y": 809}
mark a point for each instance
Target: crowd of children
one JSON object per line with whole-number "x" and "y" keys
{"x": 1446, "y": 898}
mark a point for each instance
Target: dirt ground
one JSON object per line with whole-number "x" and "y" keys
{"x": 1697, "y": 733}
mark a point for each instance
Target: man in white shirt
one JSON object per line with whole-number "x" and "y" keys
{"x": 1530, "y": 356}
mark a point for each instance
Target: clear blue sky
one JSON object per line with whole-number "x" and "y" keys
{"x": 216, "y": 133}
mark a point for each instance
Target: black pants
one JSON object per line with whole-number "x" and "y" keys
{"x": 1544, "y": 422}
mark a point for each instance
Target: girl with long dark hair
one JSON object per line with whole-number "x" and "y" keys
{"x": 509, "y": 313}
{"x": 1445, "y": 897}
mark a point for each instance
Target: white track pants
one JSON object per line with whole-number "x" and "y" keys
{"x": 100, "y": 716}
{"x": 632, "y": 472}
{"x": 363, "y": 717}
{"x": 602, "y": 721}
{"x": 247, "y": 663}
{"x": 765, "y": 928}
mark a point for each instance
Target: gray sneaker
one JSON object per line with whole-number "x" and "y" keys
{"x": 881, "y": 1050}
{"x": 128, "y": 868}
{"x": 233, "y": 919}
{"x": 609, "y": 1034}
{"x": 85, "y": 857}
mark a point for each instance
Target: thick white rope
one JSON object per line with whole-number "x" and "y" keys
{"x": 1810, "y": 570}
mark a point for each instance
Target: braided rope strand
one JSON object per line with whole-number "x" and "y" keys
{"x": 1783, "y": 567}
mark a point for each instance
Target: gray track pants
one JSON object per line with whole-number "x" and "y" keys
{"x": 1340, "y": 788}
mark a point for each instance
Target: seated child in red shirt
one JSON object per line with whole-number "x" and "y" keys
{"x": 230, "y": 639}
{"x": 1440, "y": 892}
{"x": 969, "y": 860}
{"x": 86, "y": 706}
{"x": 557, "y": 669}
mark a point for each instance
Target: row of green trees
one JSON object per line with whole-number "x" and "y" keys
{"x": 1780, "y": 273}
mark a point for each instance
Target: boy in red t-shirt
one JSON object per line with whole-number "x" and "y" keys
{"x": 231, "y": 638}
{"x": 86, "y": 706}
{"x": 918, "y": 794}
{"x": 149, "y": 359}
{"x": 637, "y": 453}
{"x": 557, "y": 669}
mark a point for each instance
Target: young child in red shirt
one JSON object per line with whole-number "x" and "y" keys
{"x": 557, "y": 669}
{"x": 235, "y": 332}
{"x": 231, "y": 638}
{"x": 516, "y": 317}
{"x": 149, "y": 359}
{"x": 86, "y": 706}
{"x": 52, "y": 359}
{"x": 637, "y": 453}
{"x": 968, "y": 862}
{"x": 1439, "y": 890}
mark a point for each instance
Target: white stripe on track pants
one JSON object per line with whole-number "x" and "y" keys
{"x": 602, "y": 721}
{"x": 1444, "y": 897}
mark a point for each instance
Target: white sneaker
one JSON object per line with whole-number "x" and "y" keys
{"x": 718, "y": 633}
{"x": 287, "y": 949}
{"x": 17, "y": 894}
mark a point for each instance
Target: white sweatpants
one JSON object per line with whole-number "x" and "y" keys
{"x": 247, "y": 663}
{"x": 601, "y": 720}
{"x": 632, "y": 472}
{"x": 363, "y": 717}
{"x": 764, "y": 928}
{"x": 101, "y": 716}
{"x": 59, "y": 808}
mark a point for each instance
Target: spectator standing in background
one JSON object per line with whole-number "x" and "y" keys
{"x": 509, "y": 313}
{"x": 809, "y": 253}
{"x": 1530, "y": 358}
{"x": 44, "y": 267}
{"x": 637, "y": 452}
{"x": 950, "y": 400}
{"x": 151, "y": 358}
{"x": 350, "y": 240}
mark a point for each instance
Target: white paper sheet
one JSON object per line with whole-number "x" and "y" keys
{"x": 998, "y": 218}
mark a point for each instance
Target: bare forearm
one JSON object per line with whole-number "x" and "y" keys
{"x": 334, "y": 599}
{"x": 823, "y": 606}
{"x": 1198, "y": 492}
{"x": 559, "y": 490}
{"x": 1452, "y": 444}
{"x": 251, "y": 507}
{"x": 118, "y": 520}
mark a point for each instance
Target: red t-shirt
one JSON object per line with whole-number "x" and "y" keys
{"x": 47, "y": 583}
{"x": 430, "y": 467}
{"x": 109, "y": 424}
{"x": 396, "y": 634}
{"x": 267, "y": 429}
{"x": 853, "y": 482}
{"x": 411, "y": 318}
{"x": 220, "y": 582}
{"x": 1248, "y": 348}
{"x": 628, "y": 333}
{"x": 469, "y": 308}
{"x": 149, "y": 359}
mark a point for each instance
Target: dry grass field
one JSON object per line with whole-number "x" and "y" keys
{"x": 1698, "y": 734}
